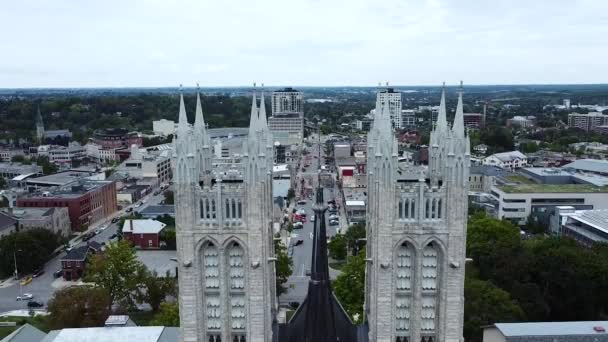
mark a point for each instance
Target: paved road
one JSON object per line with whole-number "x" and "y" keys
{"x": 298, "y": 282}
{"x": 44, "y": 286}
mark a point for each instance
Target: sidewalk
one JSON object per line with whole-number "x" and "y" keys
{"x": 24, "y": 313}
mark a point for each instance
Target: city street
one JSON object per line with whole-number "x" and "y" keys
{"x": 45, "y": 285}
{"x": 297, "y": 283}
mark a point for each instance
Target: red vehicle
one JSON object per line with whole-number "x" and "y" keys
{"x": 300, "y": 218}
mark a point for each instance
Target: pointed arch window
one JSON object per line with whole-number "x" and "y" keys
{"x": 403, "y": 295}
{"x": 211, "y": 281}
{"x": 430, "y": 279}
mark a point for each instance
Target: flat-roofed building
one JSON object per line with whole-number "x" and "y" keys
{"x": 588, "y": 122}
{"x": 592, "y": 331}
{"x": 587, "y": 227}
{"x": 87, "y": 201}
{"x": 56, "y": 220}
{"x": 474, "y": 120}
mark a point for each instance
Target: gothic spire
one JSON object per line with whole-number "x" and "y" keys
{"x": 199, "y": 120}
{"x": 182, "y": 125}
{"x": 458, "y": 126}
{"x": 262, "y": 112}
{"x": 442, "y": 121}
{"x": 253, "y": 119}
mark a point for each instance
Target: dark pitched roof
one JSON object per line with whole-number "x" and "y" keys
{"x": 78, "y": 253}
{"x": 320, "y": 318}
{"x": 6, "y": 222}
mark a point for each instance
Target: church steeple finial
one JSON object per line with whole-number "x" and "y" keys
{"x": 442, "y": 121}
{"x": 458, "y": 126}
{"x": 253, "y": 119}
{"x": 182, "y": 125}
{"x": 199, "y": 120}
{"x": 262, "y": 112}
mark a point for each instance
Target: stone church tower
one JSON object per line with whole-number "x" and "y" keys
{"x": 224, "y": 234}
{"x": 416, "y": 234}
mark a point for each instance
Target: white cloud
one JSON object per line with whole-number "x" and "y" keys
{"x": 301, "y": 42}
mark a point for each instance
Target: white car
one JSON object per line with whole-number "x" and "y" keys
{"x": 334, "y": 217}
{"x": 25, "y": 296}
{"x": 312, "y": 218}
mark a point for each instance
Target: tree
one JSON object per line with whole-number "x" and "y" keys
{"x": 353, "y": 236}
{"x": 337, "y": 247}
{"x": 18, "y": 158}
{"x": 154, "y": 289}
{"x": 168, "y": 236}
{"x": 2, "y": 182}
{"x": 169, "y": 197}
{"x": 47, "y": 167}
{"x": 32, "y": 248}
{"x": 291, "y": 194}
{"x": 117, "y": 271}
{"x": 349, "y": 287}
{"x": 78, "y": 307}
{"x": 284, "y": 266}
{"x": 4, "y": 203}
{"x": 486, "y": 304}
{"x": 167, "y": 316}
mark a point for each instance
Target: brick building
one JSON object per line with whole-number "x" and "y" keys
{"x": 117, "y": 137}
{"x": 87, "y": 201}
{"x": 144, "y": 234}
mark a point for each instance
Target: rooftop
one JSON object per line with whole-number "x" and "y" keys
{"x": 553, "y": 188}
{"x": 142, "y": 226}
{"x": 161, "y": 261}
{"x": 60, "y": 178}
{"x": 6, "y": 221}
{"x": 551, "y": 328}
{"x": 78, "y": 253}
{"x": 71, "y": 190}
{"x": 591, "y": 165}
{"x": 168, "y": 209}
{"x": 112, "y": 334}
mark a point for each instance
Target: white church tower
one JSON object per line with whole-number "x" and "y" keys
{"x": 416, "y": 234}
{"x": 224, "y": 235}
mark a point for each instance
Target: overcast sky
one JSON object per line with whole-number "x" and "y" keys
{"x": 74, "y": 43}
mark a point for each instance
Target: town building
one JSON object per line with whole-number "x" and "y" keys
{"x": 474, "y": 120}
{"x": 10, "y": 170}
{"x": 43, "y": 135}
{"x": 392, "y": 99}
{"x": 74, "y": 263}
{"x": 482, "y": 177}
{"x": 521, "y": 121}
{"x": 87, "y": 201}
{"x": 8, "y": 224}
{"x": 116, "y": 137}
{"x": 131, "y": 193}
{"x": 593, "y": 331}
{"x": 408, "y": 118}
{"x": 520, "y": 202}
{"x": 342, "y": 150}
{"x": 363, "y": 124}
{"x": 587, "y": 227}
{"x": 154, "y": 211}
{"x": 414, "y": 287}
{"x": 63, "y": 178}
{"x": 287, "y": 121}
{"x": 56, "y": 220}
{"x": 7, "y": 154}
{"x": 595, "y": 166}
{"x": 144, "y": 234}
{"x": 101, "y": 154}
{"x": 590, "y": 147}
{"x": 66, "y": 154}
{"x": 480, "y": 149}
{"x": 590, "y": 122}
{"x": 163, "y": 127}
{"x": 507, "y": 160}
{"x": 143, "y": 164}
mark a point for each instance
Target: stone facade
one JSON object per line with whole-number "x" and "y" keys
{"x": 416, "y": 234}
{"x": 224, "y": 235}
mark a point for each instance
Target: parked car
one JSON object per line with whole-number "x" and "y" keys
{"x": 302, "y": 202}
{"x": 97, "y": 231}
{"x": 38, "y": 272}
{"x": 25, "y": 296}
{"x": 34, "y": 304}
{"x": 129, "y": 210}
{"x": 334, "y": 217}
{"x": 298, "y": 225}
{"x": 58, "y": 273}
{"x": 157, "y": 192}
{"x": 333, "y": 223}
{"x": 113, "y": 236}
{"x": 26, "y": 280}
{"x": 88, "y": 236}
{"x": 312, "y": 218}
{"x": 299, "y": 242}
{"x": 116, "y": 219}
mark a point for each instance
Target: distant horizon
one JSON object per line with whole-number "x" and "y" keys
{"x": 259, "y": 87}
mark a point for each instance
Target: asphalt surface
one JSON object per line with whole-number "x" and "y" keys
{"x": 297, "y": 283}
{"x": 44, "y": 286}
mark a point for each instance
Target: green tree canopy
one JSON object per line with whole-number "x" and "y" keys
{"x": 283, "y": 266}
{"x": 78, "y": 307}
{"x": 31, "y": 247}
{"x": 349, "y": 287}
{"x": 154, "y": 289}
{"x": 337, "y": 247}
{"x": 167, "y": 316}
{"x": 117, "y": 271}
{"x": 353, "y": 236}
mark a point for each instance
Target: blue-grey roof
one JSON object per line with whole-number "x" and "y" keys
{"x": 486, "y": 170}
{"x": 25, "y": 333}
{"x": 156, "y": 210}
{"x": 112, "y": 334}
{"x": 6, "y": 222}
{"x": 552, "y": 328}
{"x": 591, "y": 165}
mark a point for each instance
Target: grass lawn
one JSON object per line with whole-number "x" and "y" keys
{"x": 520, "y": 179}
{"x": 290, "y": 314}
{"x": 39, "y": 322}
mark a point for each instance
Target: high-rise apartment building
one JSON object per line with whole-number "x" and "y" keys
{"x": 590, "y": 122}
{"x": 287, "y": 121}
{"x": 392, "y": 100}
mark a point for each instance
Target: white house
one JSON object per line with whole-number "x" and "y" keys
{"x": 507, "y": 160}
